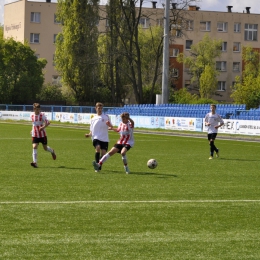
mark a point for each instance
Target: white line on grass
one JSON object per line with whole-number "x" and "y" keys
{"x": 125, "y": 201}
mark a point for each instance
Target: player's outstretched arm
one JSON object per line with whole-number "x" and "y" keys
{"x": 88, "y": 135}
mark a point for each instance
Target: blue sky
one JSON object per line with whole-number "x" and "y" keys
{"x": 208, "y": 5}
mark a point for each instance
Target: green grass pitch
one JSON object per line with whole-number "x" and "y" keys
{"x": 189, "y": 207}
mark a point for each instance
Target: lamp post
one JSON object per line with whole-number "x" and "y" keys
{"x": 165, "y": 69}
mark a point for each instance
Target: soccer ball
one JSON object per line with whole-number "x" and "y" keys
{"x": 152, "y": 163}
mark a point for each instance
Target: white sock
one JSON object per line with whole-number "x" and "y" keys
{"x": 49, "y": 149}
{"x": 34, "y": 155}
{"x": 124, "y": 159}
{"x": 104, "y": 158}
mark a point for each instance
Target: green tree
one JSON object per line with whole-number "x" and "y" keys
{"x": 208, "y": 82}
{"x": 50, "y": 92}
{"x": 76, "y": 55}
{"x": 21, "y": 74}
{"x": 150, "y": 42}
{"x": 1, "y": 31}
{"x": 183, "y": 96}
{"x": 151, "y": 48}
{"x": 246, "y": 89}
{"x": 202, "y": 64}
{"x": 129, "y": 51}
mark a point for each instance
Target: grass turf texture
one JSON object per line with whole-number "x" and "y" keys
{"x": 189, "y": 207}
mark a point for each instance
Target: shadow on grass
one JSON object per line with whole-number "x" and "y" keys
{"x": 146, "y": 173}
{"x": 64, "y": 167}
{"x": 237, "y": 159}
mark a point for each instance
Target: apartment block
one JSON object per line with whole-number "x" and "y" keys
{"x": 36, "y": 23}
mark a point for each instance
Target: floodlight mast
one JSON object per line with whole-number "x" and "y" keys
{"x": 165, "y": 69}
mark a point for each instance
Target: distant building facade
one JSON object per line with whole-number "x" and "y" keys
{"x": 36, "y": 23}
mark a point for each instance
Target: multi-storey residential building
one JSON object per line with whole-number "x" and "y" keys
{"x": 235, "y": 29}
{"x": 36, "y": 23}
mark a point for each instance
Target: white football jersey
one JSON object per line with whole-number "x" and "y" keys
{"x": 214, "y": 120}
{"x": 98, "y": 127}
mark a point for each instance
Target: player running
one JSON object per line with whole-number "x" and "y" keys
{"x": 99, "y": 132}
{"x": 212, "y": 120}
{"x": 124, "y": 143}
{"x": 39, "y": 123}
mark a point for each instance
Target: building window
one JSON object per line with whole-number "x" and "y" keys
{"x": 221, "y": 65}
{"x": 54, "y": 38}
{"x": 56, "y": 79}
{"x": 186, "y": 67}
{"x": 187, "y": 83}
{"x": 53, "y": 60}
{"x": 250, "y": 32}
{"x": 159, "y": 22}
{"x": 222, "y": 27}
{"x": 237, "y": 27}
{"x": 107, "y": 22}
{"x": 205, "y": 26}
{"x": 221, "y": 86}
{"x": 224, "y": 46}
{"x": 188, "y": 44}
{"x": 236, "y": 66}
{"x": 34, "y": 38}
{"x": 236, "y": 46}
{"x": 175, "y": 52}
{"x": 175, "y": 73}
{"x": 144, "y": 22}
{"x": 189, "y": 25}
{"x": 35, "y": 17}
{"x": 178, "y": 33}
{"x": 56, "y": 19}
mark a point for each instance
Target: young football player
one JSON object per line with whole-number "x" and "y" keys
{"x": 99, "y": 132}
{"x": 213, "y": 121}
{"x": 124, "y": 143}
{"x": 39, "y": 123}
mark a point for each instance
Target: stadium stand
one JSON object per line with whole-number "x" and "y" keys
{"x": 227, "y": 111}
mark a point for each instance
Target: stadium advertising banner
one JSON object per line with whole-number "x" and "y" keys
{"x": 243, "y": 127}
{"x": 149, "y": 121}
{"x": 231, "y": 126}
{"x": 183, "y": 123}
{"x": 19, "y": 115}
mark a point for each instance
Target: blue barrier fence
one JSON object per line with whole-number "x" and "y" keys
{"x": 227, "y": 111}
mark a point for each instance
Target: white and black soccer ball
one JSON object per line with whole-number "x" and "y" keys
{"x": 152, "y": 163}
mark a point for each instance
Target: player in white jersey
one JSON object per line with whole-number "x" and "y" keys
{"x": 99, "y": 132}
{"x": 124, "y": 143}
{"x": 39, "y": 123}
{"x": 213, "y": 121}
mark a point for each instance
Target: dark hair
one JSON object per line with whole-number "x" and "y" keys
{"x": 36, "y": 105}
{"x": 98, "y": 104}
{"x": 124, "y": 114}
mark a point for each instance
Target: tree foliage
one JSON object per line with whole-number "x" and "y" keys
{"x": 246, "y": 89}
{"x": 202, "y": 64}
{"x": 76, "y": 55}
{"x": 50, "y": 92}
{"x": 21, "y": 73}
{"x": 183, "y": 96}
{"x": 208, "y": 82}
{"x": 125, "y": 52}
